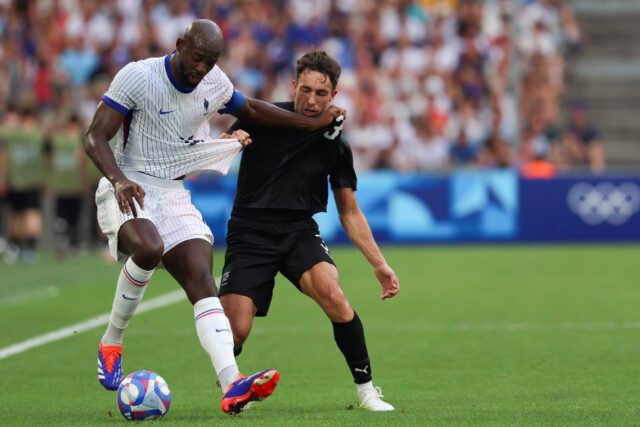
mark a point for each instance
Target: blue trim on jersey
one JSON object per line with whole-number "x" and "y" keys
{"x": 174, "y": 82}
{"x": 235, "y": 103}
{"x": 113, "y": 104}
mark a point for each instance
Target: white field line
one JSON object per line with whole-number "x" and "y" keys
{"x": 100, "y": 320}
{"x": 173, "y": 297}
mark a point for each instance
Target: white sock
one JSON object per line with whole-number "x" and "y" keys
{"x": 365, "y": 389}
{"x": 132, "y": 283}
{"x": 227, "y": 376}
{"x": 214, "y": 332}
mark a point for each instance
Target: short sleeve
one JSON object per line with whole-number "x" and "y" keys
{"x": 234, "y": 104}
{"x": 224, "y": 88}
{"x": 128, "y": 88}
{"x": 343, "y": 174}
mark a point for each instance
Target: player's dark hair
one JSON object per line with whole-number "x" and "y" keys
{"x": 320, "y": 61}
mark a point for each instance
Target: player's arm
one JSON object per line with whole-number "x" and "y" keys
{"x": 357, "y": 227}
{"x": 104, "y": 126}
{"x": 260, "y": 113}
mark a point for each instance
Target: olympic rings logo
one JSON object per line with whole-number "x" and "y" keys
{"x": 604, "y": 202}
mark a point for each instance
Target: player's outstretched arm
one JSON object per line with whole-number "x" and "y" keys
{"x": 358, "y": 230}
{"x": 263, "y": 113}
{"x": 104, "y": 126}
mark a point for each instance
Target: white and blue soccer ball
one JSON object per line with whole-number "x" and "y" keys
{"x": 143, "y": 395}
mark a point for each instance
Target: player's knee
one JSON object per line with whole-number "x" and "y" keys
{"x": 336, "y": 304}
{"x": 147, "y": 255}
{"x": 335, "y": 296}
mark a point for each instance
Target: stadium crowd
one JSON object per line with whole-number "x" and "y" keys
{"x": 428, "y": 84}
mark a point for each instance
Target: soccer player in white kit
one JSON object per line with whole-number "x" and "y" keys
{"x": 158, "y": 110}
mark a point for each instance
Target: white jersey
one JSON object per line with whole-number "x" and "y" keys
{"x": 165, "y": 132}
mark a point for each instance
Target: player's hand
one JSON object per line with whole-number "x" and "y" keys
{"x": 388, "y": 280}
{"x": 126, "y": 192}
{"x": 242, "y": 136}
{"x": 337, "y": 111}
{"x": 330, "y": 114}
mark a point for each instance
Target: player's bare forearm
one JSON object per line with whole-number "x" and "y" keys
{"x": 356, "y": 226}
{"x": 263, "y": 113}
{"x": 104, "y": 126}
{"x": 98, "y": 150}
{"x": 358, "y": 230}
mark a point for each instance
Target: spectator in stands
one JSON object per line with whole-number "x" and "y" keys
{"x": 495, "y": 153}
{"x": 539, "y": 167}
{"x": 67, "y": 178}
{"x": 433, "y": 149}
{"x": 462, "y": 153}
{"x": 539, "y": 136}
{"x": 420, "y": 55}
{"x": 581, "y": 141}
{"x": 24, "y": 180}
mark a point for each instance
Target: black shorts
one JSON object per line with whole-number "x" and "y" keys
{"x": 257, "y": 251}
{"x": 22, "y": 200}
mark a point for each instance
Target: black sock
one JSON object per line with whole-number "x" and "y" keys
{"x": 350, "y": 339}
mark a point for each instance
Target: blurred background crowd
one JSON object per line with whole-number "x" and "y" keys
{"x": 429, "y": 85}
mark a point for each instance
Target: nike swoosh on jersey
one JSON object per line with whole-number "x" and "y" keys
{"x": 162, "y": 113}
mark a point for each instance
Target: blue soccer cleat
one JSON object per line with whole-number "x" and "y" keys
{"x": 245, "y": 390}
{"x": 110, "y": 366}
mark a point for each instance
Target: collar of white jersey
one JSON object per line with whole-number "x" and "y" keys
{"x": 174, "y": 82}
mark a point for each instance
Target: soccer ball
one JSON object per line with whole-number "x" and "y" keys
{"x": 143, "y": 395}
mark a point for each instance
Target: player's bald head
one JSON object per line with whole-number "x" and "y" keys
{"x": 197, "y": 52}
{"x": 206, "y": 35}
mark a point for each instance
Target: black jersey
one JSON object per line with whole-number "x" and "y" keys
{"x": 287, "y": 169}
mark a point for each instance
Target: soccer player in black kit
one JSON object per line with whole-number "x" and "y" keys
{"x": 283, "y": 182}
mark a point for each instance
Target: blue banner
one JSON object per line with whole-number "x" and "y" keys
{"x": 580, "y": 209}
{"x": 466, "y": 206}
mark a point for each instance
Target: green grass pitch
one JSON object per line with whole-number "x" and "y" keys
{"x": 479, "y": 335}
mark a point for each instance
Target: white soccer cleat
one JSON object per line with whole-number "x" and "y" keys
{"x": 371, "y": 400}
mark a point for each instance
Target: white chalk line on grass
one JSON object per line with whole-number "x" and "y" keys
{"x": 100, "y": 320}
{"x": 173, "y": 297}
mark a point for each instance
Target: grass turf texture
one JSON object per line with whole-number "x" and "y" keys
{"x": 478, "y": 336}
